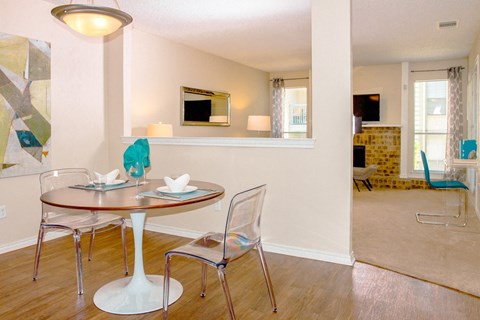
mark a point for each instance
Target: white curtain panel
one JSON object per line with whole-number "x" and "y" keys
{"x": 455, "y": 115}
{"x": 278, "y": 96}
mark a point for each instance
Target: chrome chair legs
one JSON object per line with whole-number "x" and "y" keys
{"x": 463, "y": 223}
{"x": 78, "y": 258}
{"x": 41, "y": 236}
{"x": 223, "y": 280}
{"x": 266, "y": 274}
{"x": 78, "y": 252}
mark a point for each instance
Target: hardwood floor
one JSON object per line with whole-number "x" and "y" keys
{"x": 305, "y": 289}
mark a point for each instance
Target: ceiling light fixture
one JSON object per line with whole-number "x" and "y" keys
{"x": 91, "y": 20}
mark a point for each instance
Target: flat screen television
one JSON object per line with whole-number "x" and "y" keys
{"x": 367, "y": 106}
{"x": 198, "y": 110}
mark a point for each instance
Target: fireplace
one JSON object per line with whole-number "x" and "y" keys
{"x": 359, "y": 156}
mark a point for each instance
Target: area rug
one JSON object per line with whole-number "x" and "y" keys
{"x": 386, "y": 234}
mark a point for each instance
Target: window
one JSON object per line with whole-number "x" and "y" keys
{"x": 295, "y": 113}
{"x": 430, "y": 123}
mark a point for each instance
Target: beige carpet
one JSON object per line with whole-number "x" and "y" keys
{"x": 386, "y": 234}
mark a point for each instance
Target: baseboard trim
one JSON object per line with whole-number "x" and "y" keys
{"x": 186, "y": 233}
{"x": 348, "y": 260}
{"x": 30, "y": 241}
{"x": 269, "y": 247}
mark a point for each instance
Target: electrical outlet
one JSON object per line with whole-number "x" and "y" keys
{"x": 218, "y": 206}
{"x": 3, "y": 211}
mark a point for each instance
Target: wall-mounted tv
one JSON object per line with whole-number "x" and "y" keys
{"x": 198, "y": 110}
{"x": 367, "y": 106}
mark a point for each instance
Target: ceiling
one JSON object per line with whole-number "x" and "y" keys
{"x": 274, "y": 35}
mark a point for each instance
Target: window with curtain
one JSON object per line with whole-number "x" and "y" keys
{"x": 430, "y": 123}
{"x": 295, "y": 112}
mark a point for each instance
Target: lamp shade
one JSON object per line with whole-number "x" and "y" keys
{"x": 159, "y": 130}
{"x": 218, "y": 119}
{"x": 92, "y": 21}
{"x": 259, "y": 123}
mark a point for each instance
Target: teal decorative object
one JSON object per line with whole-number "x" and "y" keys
{"x": 144, "y": 143}
{"x": 137, "y": 152}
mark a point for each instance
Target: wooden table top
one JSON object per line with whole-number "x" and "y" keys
{"x": 122, "y": 199}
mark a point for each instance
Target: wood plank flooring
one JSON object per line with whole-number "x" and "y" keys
{"x": 305, "y": 289}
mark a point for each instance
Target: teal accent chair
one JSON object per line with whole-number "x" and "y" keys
{"x": 445, "y": 185}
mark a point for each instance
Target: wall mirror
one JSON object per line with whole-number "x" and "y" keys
{"x": 204, "y": 107}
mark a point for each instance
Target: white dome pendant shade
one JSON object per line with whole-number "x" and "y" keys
{"x": 91, "y": 20}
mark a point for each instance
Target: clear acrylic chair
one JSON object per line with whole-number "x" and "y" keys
{"x": 455, "y": 185}
{"x": 242, "y": 234}
{"x": 77, "y": 221}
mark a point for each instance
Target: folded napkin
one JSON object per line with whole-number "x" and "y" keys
{"x": 178, "y": 184}
{"x": 137, "y": 152}
{"x": 107, "y": 178}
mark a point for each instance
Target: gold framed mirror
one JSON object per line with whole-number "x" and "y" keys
{"x": 202, "y": 107}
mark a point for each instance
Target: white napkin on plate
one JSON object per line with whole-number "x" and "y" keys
{"x": 179, "y": 184}
{"x": 107, "y": 178}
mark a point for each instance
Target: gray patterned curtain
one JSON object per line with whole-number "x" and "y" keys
{"x": 278, "y": 95}
{"x": 455, "y": 115}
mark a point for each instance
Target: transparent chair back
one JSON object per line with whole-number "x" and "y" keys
{"x": 76, "y": 221}
{"x": 242, "y": 234}
{"x": 242, "y": 230}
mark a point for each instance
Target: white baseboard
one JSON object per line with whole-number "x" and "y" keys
{"x": 269, "y": 247}
{"x": 348, "y": 260}
{"x": 30, "y": 241}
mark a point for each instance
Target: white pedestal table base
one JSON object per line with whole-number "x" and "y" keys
{"x": 123, "y": 297}
{"x": 140, "y": 293}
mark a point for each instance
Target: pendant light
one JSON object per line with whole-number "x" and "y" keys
{"x": 91, "y": 20}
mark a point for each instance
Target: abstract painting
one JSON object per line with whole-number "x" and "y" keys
{"x": 25, "y": 129}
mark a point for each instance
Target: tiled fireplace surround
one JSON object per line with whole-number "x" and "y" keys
{"x": 382, "y": 147}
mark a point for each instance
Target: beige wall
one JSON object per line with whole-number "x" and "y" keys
{"x": 308, "y": 204}
{"x": 385, "y": 80}
{"x": 160, "y": 67}
{"x": 78, "y": 130}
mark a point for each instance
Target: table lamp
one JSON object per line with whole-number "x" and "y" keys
{"x": 159, "y": 130}
{"x": 259, "y": 123}
{"x": 218, "y": 119}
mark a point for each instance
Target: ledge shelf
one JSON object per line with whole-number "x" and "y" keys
{"x": 372, "y": 125}
{"x": 228, "y": 142}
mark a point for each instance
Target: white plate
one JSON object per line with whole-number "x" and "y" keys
{"x": 113, "y": 183}
{"x": 188, "y": 189}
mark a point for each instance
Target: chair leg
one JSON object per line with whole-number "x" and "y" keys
{"x": 78, "y": 256}
{"x": 366, "y": 185}
{"x": 90, "y": 249}
{"x": 226, "y": 291}
{"x": 124, "y": 245}
{"x": 166, "y": 286}
{"x": 419, "y": 215}
{"x": 204, "y": 280}
{"x": 369, "y": 183}
{"x": 266, "y": 274}
{"x": 356, "y": 184}
{"x": 41, "y": 235}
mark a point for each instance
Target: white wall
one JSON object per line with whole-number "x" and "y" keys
{"x": 78, "y": 133}
{"x": 160, "y": 67}
{"x": 307, "y": 209}
{"x": 385, "y": 80}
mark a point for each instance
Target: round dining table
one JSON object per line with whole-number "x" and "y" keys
{"x": 139, "y": 293}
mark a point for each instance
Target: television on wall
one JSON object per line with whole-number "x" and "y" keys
{"x": 367, "y": 106}
{"x": 198, "y": 110}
